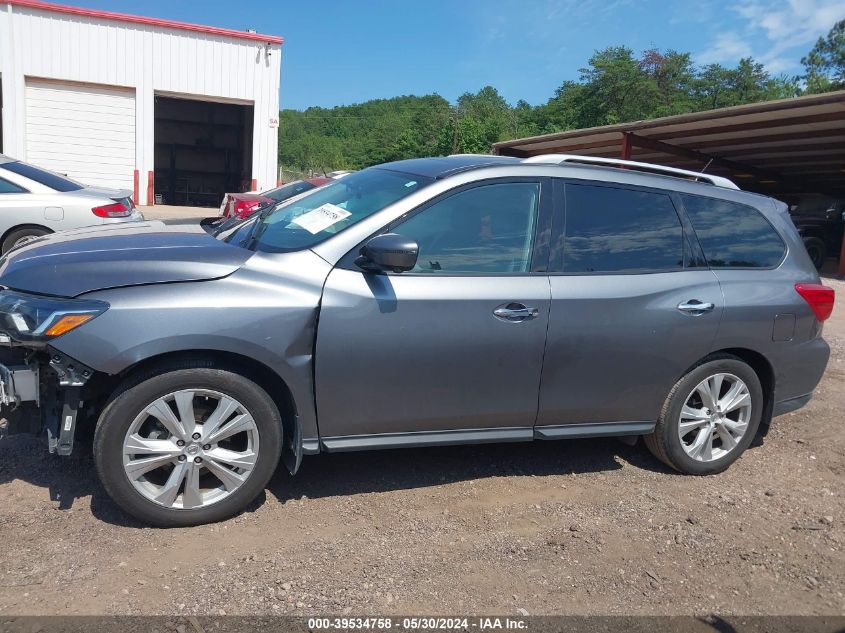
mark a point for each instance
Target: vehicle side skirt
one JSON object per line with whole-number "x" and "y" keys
{"x": 482, "y": 436}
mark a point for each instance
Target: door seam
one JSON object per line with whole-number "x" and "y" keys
{"x": 543, "y": 358}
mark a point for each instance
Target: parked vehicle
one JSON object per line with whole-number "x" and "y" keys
{"x": 420, "y": 303}
{"x": 35, "y": 202}
{"x": 820, "y": 222}
{"x": 242, "y": 205}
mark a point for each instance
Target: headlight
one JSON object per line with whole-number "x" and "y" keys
{"x": 33, "y": 319}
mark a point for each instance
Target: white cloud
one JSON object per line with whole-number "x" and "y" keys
{"x": 775, "y": 28}
{"x": 728, "y": 47}
{"x": 794, "y": 22}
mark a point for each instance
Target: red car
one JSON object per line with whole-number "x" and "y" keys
{"x": 242, "y": 205}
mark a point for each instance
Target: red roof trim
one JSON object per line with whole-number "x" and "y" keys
{"x": 138, "y": 19}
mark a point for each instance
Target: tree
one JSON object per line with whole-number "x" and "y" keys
{"x": 712, "y": 87}
{"x": 477, "y": 121}
{"x": 616, "y": 89}
{"x": 720, "y": 87}
{"x": 674, "y": 75}
{"x": 825, "y": 63}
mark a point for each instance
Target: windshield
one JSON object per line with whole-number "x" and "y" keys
{"x": 42, "y": 176}
{"x": 315, "y": 216}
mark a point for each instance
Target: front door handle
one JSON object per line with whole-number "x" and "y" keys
{"x": 515, "y": 312}
{"x": 695, "y": 307}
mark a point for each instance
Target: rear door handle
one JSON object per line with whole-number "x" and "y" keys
{"x": 695, "y": 307}
{"x": 515, "y": 312}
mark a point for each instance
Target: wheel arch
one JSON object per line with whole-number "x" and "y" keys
{"x": 255, "y": 370}
{"x": 761, "y": 366}
{"x": 25, "y": 225}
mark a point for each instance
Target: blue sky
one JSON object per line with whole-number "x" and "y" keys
{"x": 340, "y": 52}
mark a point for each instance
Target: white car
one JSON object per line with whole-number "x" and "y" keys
{"x": 35, "y": 202}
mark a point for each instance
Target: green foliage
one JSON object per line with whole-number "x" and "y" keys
{"x": 825, "y": 63}
{"x": 616, "y": 86}
{"x": 351, "y": 137}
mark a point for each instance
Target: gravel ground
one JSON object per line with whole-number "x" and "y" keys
{"x": 577, "y": 527}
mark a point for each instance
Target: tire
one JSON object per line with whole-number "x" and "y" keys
{"x": 20, "y": 234}
{"x": 666, "y": 443}
{"x": 259, "y": 445}
{"x": 817, "y": 250}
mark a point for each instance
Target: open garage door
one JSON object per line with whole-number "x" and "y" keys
{"x": 84, "y": 131}
{"x": 203, "y": 149}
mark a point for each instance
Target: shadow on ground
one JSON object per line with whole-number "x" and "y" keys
{"x": 329, "y": 475}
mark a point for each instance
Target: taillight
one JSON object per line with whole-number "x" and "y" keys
{"x": 116, "y": 210}
{"x": 820, "y": 298}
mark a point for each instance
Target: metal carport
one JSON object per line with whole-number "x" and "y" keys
{"x": 783, "y": 148}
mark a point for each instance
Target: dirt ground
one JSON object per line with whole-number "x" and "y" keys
{"x": 577, "y": 527}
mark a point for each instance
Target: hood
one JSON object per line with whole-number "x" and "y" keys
{"x": 95, "y": 258}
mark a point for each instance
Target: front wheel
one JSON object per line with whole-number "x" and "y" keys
{"x": 187, "y": 446}
{"x": 709, "y": 418}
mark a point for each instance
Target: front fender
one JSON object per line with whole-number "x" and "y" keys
{"x": 269, "y": 318}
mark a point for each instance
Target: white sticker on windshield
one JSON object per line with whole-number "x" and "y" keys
{"x": 321, "y": 218}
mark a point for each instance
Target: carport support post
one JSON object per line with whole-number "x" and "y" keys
{"x": 626, "y": 146}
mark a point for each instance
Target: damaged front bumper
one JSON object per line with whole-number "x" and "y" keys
{"x": 18, "y": 384}
{"x": 41, "y": 390}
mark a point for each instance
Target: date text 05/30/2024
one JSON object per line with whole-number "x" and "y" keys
{"x": 417, "y": 623}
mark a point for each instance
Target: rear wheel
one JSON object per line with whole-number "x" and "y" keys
{"x": 188, "y": 446}
{"x": 709, "y": 418}
{"x": 21, "y": 235}
{"x": 817, "y": 251}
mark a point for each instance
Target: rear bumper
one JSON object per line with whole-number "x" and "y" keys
{"x": 798, "y": 370}
{"x": 788, "y": 406}
{"x": 136, "y": 216}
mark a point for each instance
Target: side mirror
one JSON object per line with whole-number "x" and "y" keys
{"x": 388, "y": 252}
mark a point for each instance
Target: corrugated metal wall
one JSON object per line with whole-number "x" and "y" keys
{"x": 41, "y": 44}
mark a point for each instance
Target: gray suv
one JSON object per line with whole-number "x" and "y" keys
{"x": 418, "y": 303}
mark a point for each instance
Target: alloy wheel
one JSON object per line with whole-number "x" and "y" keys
{"x": 715, "y": 417}
{"x": 190, "y": 448}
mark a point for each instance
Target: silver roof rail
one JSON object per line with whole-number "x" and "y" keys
{"x": 559, "y": 159}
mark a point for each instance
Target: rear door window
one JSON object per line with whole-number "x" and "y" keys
{"x": 619, "y": 230}
{"x": 733, "y": 235}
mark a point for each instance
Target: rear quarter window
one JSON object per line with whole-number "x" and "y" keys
{"x": 733, "y": 235}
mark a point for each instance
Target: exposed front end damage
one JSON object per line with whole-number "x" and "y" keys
{"x": 42, "y": 391}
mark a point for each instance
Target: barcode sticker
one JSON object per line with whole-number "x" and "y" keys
{"x": 321, "y": 218}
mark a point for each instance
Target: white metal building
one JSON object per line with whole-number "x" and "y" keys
{"x": 174, "y": 111}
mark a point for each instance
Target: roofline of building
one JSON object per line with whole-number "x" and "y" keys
{"x": 675, "y": 119}
{"x": 139, "y": 19}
